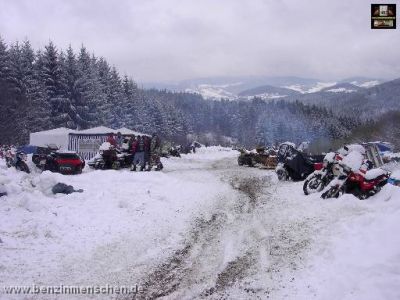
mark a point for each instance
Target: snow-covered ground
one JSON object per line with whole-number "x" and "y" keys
{"x": 203, "y": 227}
{"x": 213, "y": 91}
{"x": 366, "y": 84}
{"x": 341, "y": 90}
{"x": 266, "y": 96}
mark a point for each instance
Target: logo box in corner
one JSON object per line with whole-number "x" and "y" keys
{"x": 383, "y": 16}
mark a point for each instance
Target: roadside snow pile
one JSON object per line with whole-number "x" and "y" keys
{"x": 395, "y": 175}
{"x": 123, "y": 220}
{"x": 361, "y": 259}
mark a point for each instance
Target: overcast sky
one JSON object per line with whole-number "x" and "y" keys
{"x": 157, "y": 40}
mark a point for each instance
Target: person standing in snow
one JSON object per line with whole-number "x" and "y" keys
{"x": 138, "y": 157}
{"x": 155, "y": 149}
{"x": 147, "y": 142}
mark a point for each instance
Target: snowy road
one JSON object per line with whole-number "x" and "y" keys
{"x": 203, "y": 228}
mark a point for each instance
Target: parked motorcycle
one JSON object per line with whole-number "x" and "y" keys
{"x": 294, "y": 164}
{"x": 17, "y": 159}
{"x": 323, "y": 173}
{"x": 362, "y": 183}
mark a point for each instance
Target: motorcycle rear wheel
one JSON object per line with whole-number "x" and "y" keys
{"x": 333, "y": 192}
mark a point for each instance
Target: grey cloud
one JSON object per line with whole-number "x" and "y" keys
{"x": 175, "y": 39}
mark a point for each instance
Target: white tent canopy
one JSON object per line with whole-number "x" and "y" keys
{"x": 97, "y": 130}
{"x": 125, "y": 130}
{"x": 61, "y": 136}
{"x": 58, "y": 137}
{"x": 106, "y": 130}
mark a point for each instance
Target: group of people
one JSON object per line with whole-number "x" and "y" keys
{"x": 145, "y": 150}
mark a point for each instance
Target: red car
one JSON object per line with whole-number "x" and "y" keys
{"x": 60, "y": 162}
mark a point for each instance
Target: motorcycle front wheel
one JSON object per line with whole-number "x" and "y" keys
{"x": 313, "y": 185}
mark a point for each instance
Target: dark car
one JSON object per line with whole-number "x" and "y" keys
{"x": 59, "y": 161}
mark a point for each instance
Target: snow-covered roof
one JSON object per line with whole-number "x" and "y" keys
{"x": 105, "y": 130}
{"x": 57, "y": 136}
{"x": 125, "y": 130}
{"x": 99, "y": 129}
{"x": 57, "y": 131}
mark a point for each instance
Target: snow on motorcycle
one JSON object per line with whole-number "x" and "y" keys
{"x": 17, "y": 159}
{"x": 329, "y": 169}
{"x": 357, "y": 177}
{"x": 323, "y": 174}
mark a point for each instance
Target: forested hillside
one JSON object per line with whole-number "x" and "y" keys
{"x": 365, "y": 104}
{"x": 52, "y": 87}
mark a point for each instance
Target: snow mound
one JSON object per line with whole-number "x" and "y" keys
{"x": 395, "y": 175}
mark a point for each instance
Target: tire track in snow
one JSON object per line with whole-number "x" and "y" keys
{"x": 245, "y": 248}
{"x": 205, "y": 246}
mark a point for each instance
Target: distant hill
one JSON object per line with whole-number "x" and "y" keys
{"x": 366, "y": 103}
{"x": 217, "y": 88}
{"x": 240, "y": 87}
{"x": 364, "y": 82}
{"x": 267, "y": 92}
{"x": 344, "y": 87}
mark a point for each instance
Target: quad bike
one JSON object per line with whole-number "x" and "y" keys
{"x": 264, "y": 158}
{"x": 245, "y": 158}
{"x": 107, "y": 158}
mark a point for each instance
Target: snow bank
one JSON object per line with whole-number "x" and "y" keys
{"x": 361, "y": 256}
{"x": 123, "y": 221}
{"x": 395, "y": 175}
